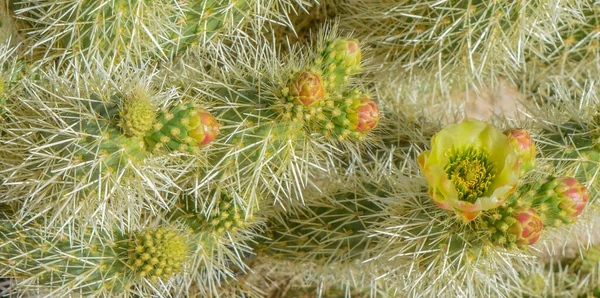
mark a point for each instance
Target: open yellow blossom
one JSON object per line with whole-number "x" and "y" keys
{"x": 471, "y": 167}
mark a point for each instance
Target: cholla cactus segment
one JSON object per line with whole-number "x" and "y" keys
{"x": 157, "y": 254}
{"x": 183, "y": 128}
{"x": 224, "y": 217}
{"x": 98, "y": 263}
{"x": 330, "y": 230}
{"x": 137, "y": 114}
{"x": 575, "y": 276}
{"x": 525, "y": 147}
{"x": 471, "y": 167}
{"x": 75, "y": 164}
{"x": 204, "y": 20}
{"x": 575, "y": 42}
{"x": 473, "y": 36}
{"x": 110, "y": 28}
{"x": 138, "y": 29}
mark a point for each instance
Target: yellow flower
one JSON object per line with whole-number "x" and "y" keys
{"x": 471, "y": 167}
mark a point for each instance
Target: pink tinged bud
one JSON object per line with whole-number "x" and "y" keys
{"x": 573, "y": 196}
{"x": 528, "y": 227}
{"x": 348, "y": 51}
{"x": 524, "y": 146}
{"x": 205, "y": 128}
{"x": 368, "y": 115}
{"x": 307, "y": 88}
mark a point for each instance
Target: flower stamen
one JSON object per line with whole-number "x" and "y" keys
{"x": 471, "y": 172}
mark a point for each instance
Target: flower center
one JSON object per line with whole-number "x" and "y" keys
{"x": 470, "y": 171}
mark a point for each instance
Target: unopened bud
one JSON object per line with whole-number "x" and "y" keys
{"x": 307, "y": 88}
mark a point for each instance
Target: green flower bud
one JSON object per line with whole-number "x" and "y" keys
{"x": 347, "y": 51}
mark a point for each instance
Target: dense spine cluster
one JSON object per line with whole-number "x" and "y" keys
{"x": 283, "y": 148}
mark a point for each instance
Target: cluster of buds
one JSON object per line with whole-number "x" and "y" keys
{"x": 473, "y": 167}
{"x": 319, "y": 94}
{"x": 185, "y": 128}
{"x": 519, "y": 222}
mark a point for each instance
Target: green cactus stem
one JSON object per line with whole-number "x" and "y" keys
{"x": 95, "y": 264}
{"x": 333, "y": 229}
{"x": 183, "y": 128}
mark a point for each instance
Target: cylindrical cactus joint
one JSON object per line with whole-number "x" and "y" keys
{"x": 307, "y": 88}
{"x": 137, "y": 114}
{"x": 572, "y": 195}
{"x": 524, "y": 146}
{"x": 157, "y": 254}
{"x": 224, "y": 217}
{"x": 528, "y": 227}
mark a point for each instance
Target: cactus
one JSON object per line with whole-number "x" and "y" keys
{"x": 98, "y": 263}
{"x": 86, "y": 156}
{"x": 280, "y": 122}
{"x": 473, "y": 37}
{"x": 135, "y": 29}
{"x": 182, "y": 149}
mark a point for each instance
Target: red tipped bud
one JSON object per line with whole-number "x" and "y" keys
{"x": 573, "y": 196}
{"x": 204, "y": 127}
{"x": 528, "y": 227}
{"x": 368, "y": 115}
{"x": 523, "y": 145}
{"x": 307, "y": 88}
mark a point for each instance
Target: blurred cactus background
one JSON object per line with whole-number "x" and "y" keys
{"x": 299, "y": 148}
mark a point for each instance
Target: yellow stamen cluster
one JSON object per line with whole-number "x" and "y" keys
{"x": 470, "y": 171}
